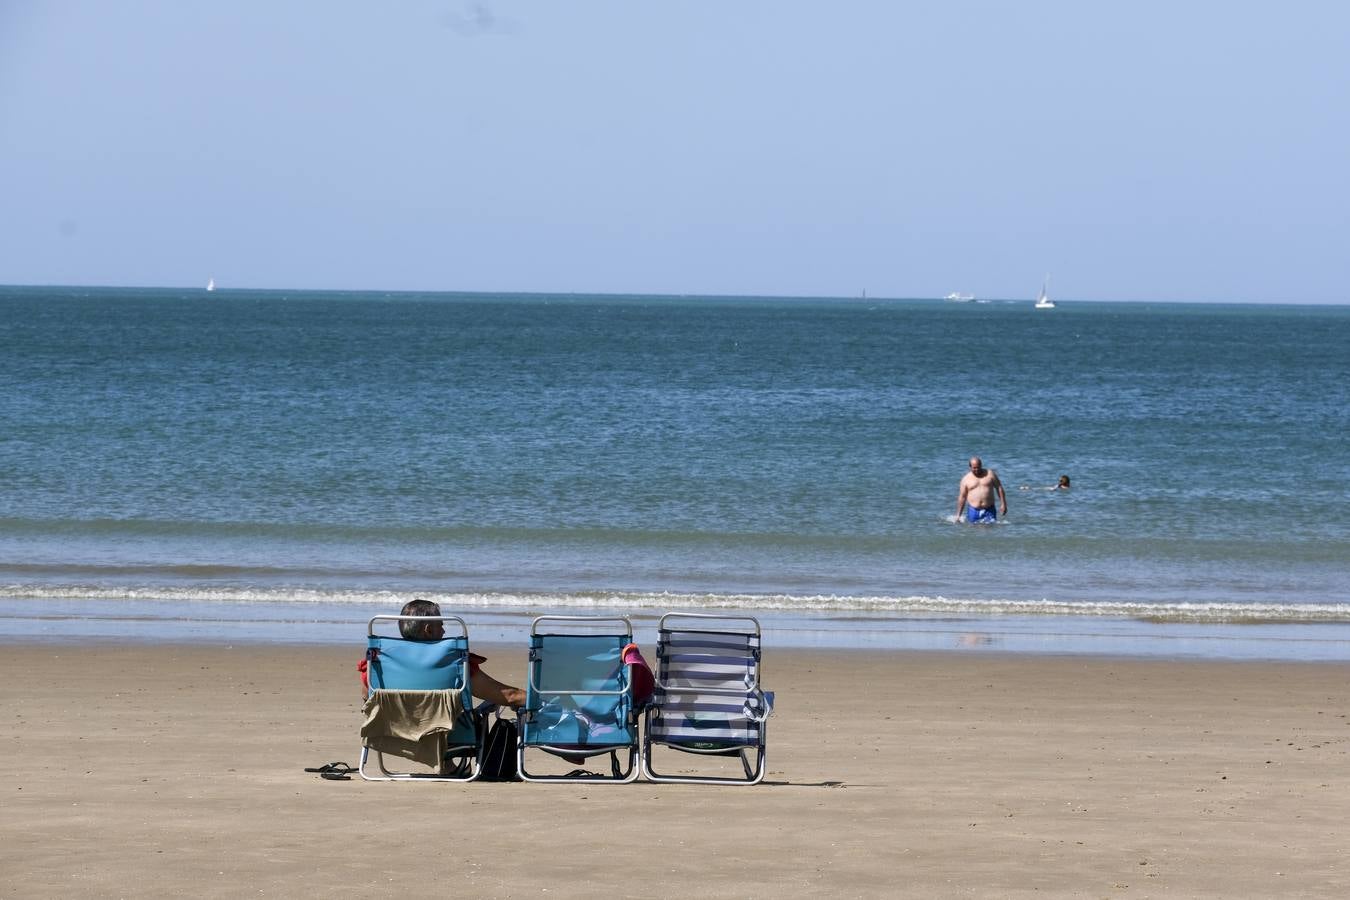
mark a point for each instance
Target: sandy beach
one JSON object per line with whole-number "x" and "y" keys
{"x": 162, "y": 770}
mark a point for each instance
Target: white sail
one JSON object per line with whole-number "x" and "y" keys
{"x": 210, "y": 284}
{"x": 1044, "y": 301}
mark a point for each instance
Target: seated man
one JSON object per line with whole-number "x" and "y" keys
{"x": 483, "y": 685}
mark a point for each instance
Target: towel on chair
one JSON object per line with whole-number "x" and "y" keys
{"x": 411, "y": 724}
{"x": 640, "y": 679}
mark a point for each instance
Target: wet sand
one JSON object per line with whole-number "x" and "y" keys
{"x": 160, "y": 770}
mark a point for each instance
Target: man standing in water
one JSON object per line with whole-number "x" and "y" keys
{"x": 976, "y": 496}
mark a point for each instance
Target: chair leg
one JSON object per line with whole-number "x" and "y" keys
{"x": 465, "y": 770}
{"x": 621, "y": 774}
{"x": 754, "y": 772}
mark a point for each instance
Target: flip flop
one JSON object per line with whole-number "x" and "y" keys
{"x": 333, "y": 771}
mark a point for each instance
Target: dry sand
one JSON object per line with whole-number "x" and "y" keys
{"x": 177, "y": 770}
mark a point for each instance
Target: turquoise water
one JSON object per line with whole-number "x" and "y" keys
{"x": 172, "y": 454}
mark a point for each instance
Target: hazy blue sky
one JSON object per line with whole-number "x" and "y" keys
{"x": 1144, "y": 150}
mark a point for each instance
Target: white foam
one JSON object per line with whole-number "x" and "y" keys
{"x": 914, "y": 605}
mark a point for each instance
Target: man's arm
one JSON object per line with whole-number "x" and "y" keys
{"x": 961, "y": 498}
{"x": 1002, "y": 497}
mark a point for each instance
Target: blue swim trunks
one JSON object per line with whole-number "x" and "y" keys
{"x": 981, "y": 516}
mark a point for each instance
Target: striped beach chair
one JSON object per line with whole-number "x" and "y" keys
{"x": 578, "y": 703}
{"x": 708, "y": 701}
{"x": 395, "y": 664}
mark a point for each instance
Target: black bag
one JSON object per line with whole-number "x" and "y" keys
{"x": 499, "y": 751}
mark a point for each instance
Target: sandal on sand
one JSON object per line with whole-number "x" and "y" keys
{"x": 334, "y": 771}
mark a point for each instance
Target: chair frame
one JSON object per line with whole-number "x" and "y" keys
{"x": 622, "y": 775}
{"x": 475, "y": 767}
{"x": 754, "y": 774}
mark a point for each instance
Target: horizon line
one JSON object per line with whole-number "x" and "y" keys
{"x": 848, "y": 298}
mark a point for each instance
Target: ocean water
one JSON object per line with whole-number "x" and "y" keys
{"x": 287, "y": 463}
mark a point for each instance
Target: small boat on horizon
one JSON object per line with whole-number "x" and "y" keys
{"x": 1044, "y": 301}
{"x": 210, "y": 284}
{"x": 958, "y": 297}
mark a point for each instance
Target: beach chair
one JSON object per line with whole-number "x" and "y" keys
{"x": 708, "y": 700}
{"x": 578, "y": 704}
{"x": 419, "y": 670}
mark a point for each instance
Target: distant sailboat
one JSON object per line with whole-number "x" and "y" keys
{"x": 210, "y": 284}
{"x": 1044, "y": 301}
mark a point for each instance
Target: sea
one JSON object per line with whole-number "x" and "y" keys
{"x": 280, "y": 465}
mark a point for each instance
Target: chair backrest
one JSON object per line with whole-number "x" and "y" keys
{"x": 396, "y": 663}
{"x": 577, "y": 691}
{"x": 707, "y": 681}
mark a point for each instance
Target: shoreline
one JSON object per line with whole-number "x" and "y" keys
{"x": 178, "y": 768}
{"x": 155, "y": 622}
{"x": 500, "y": 648}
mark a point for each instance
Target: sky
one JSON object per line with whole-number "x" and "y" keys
{"x": 1159, "y": 151}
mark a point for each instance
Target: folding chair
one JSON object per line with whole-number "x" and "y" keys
{"x": 396, "y": 664}
{"x": 578, "y": 702}
{"x": 708, "y": 700}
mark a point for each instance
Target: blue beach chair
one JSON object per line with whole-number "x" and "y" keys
{"x": 578, "y": 702}
{"x": 425, "y": 671}
{"x": 708, "y": 700}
